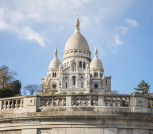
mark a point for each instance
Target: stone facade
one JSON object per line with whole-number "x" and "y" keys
{"x": 78, "y": 73}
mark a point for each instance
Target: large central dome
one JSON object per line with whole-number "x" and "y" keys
{"x": 77, "y": 41}
{"x": 76, "y": 46}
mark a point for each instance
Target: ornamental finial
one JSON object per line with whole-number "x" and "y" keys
{"x": 96, "y": 52}
{"x": 55, "y": 52}
{"x": 77, "y": 24}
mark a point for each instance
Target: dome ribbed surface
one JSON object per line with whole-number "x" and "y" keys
{"x": 54, "y": 64}
{"x": 96, "y": 64}
{"x": 77, "y": 41}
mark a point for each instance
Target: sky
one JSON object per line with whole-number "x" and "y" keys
{"x": 121, "y": 30}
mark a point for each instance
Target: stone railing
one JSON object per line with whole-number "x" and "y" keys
{"x": 84, "y": 100}
{"x": 150, "y": 102}
{"x": 52, "y": 101}
{"x": 11, "y": 103}
{"x": 34, "y": 103}
{"x": 118, "y": 101}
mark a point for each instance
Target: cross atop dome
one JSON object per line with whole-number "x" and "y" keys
{"x": 77, "y": 24}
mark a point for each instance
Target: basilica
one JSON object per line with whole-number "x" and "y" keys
{"x": 77, "y": 73}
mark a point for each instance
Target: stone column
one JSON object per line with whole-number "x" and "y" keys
{"x": 1, "y": 105}
{"x": 31, "y": 103}
{"x": 98, "y": 74}
{"x": 138, "y": 101}
{"x": 68, "y": 100}
{"x": 101, "y": 101}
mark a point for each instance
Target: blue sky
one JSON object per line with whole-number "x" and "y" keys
{"x": 122, "y": 30}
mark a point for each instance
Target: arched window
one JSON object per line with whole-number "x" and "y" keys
{"x": 82, "y": 81}
{"x": 80, "y": 64}
{"x": 84, "y": 65}
{"x": 74, "y": 80}
{"x": 55, "y": 74}
{"x": 96, "y": 75}
{"x": 66, "y": 85}
{"x": 81, "y": 84}
{"x": 74, "y": 67}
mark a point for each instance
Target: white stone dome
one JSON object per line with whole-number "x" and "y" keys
{"x": 55, "y": 63}
{"x": 96, "y": 63}
{"x": 76, "y": 42}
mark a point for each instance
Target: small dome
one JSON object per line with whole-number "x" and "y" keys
{"x": 55, "y": 63}
{"x": 96, "y": 63}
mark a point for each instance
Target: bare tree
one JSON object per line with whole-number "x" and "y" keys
{"x": 6, "y": 76}
{"x": 31, "y": 89}
{"x": 115, "y": 92}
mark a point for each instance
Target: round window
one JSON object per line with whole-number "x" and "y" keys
{"x": 54, "y": 86}
{"x": 95, "y": 85}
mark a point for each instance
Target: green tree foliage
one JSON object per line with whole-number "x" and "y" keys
{"x": 15, "y": 86}
{"x": 142, "y": 88}
{"x": 5, "y": 92}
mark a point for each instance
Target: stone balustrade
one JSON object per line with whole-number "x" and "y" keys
{"x": 84, "y": 100}
{"x": 150, "y": 102}
{"x": 76, "y": 100}
{"x": 46, "y": 101}
{"x": 11, "y": 103}
{"x": 118, "y": 101}
{"x": 77, "y": 113}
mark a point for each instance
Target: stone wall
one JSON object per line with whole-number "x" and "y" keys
{"x": 11, "y": 132}
{"x": 79, "y": 131}
{"x": 76, "y": 114}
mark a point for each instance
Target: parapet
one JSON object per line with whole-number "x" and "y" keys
{"x": 95, "y": 113}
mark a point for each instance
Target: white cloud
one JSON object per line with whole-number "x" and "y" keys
{"x": 34, "y": 15}
{"x": 54, "y": 17}
{"x": 29, "y": 34}
{"x": 3, "y": 25}
{"x": 12, "y": 21}
{"x": 16, "y": 17}
{"x": 132, "y": 22}
{"x": 122, "y": 29}
{"x": 117, "y": 41}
